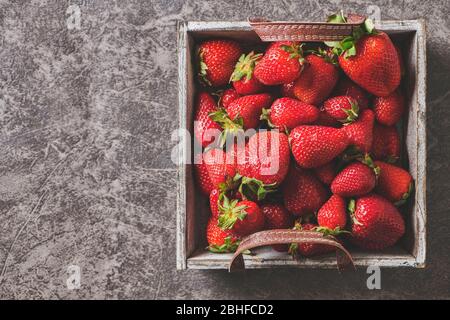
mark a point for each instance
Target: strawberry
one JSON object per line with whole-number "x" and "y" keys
{"x": 242, "y": 78}
{"x": 276, "y": 216}
{"x": 202, "y": 175}
{"x": 220, "y": 241}
{"x": 326, "y": 120}
{"x": 316, "y": 81}
{"x": 204, "y": 127}
{"x": 214, "y": 198}
{"x": 314, "y": 146}
{"x": 394, "y": 183}
{"x": 217, "y": 61}
{"x": 342, "y": 108}
{"x": 346, "y": 87}
{"x": 326, "y": 173}
{"x": 374, "y": 66}
{"x": 243, "y": 217}
{"x": 308, "y": 249}
{"x": 360, "y": 132}
{"x": 281, "y": 63}
{"x": 386, "y": 143}
{"x": 287, "y": 90}
{"x": 288, "y": 113}
{"x": 354, "y": 180}
{"x": 333, "y": 214}
{"x": 219, "y": 166}
{"x": 377, "y": 224}
{"x": 388, "y": 110}
{"x": 267, "y": 157}
{"x": 228, "y": 96}
{"x": 249, "y": 109}
{"x": 302, "y": 192}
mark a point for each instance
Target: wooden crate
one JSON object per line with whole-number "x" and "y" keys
{"x": 192, "y": 208}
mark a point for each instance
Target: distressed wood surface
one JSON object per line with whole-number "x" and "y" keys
{"x": 190, "y": 252}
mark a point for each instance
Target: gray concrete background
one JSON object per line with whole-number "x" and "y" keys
{"x": 85, "y": 171}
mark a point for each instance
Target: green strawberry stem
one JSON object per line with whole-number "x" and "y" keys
{"x": 367, "y": 160}
{"x": 352, "y": 113}
{"x": 230, "y": 213}
{"x": 203, "y": 74}
{"x": 245, "y": 66}
{"x": 255, "y": 189}
{"x": 295, "y": 51}
{"x": 351, "y": 209}
{"x": 265, "y": 116}
{"x": 347, "y": 46}
{"x": 231, "y": 127}
{"x": 228, "y": 246}
{"x": 331, "y": 232}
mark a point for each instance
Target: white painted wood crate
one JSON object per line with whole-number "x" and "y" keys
{"x": 192, "y": 207}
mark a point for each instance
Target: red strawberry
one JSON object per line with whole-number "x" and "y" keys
{"x": 388, "y": 110}
{"x": 394, "y": 183}
{"x": 354, "y": 180}
{"x": 281, "y": 63}
{"x": 346, "y": 87}
{"x": 228, "y": 96}
{"x": 326, "y": 120}
{"x": 214, "y": 202}
{"x": 316, "y": 81}
{"x": 374, "y": 66}
{"x": 219, "y": 166}
{"x": 326, "y": 173}
{"x": 242, "y": 78}
{"x": 333, "y": 214}
{"x": 386, "y": 143}
{"x": 243, "y": 217}
{"x": 288, "y": 113}
{"x": 277, "y": 217}
{"x": 287, "y": 90}
{"x": 217, "y": 61}
{"x": 204, "y": 127}
{"x": 302, "y": 192}
{"x": 342, "y": 108}
{"x": 377, "y": 224}
{"x": 360, "y": 132}
{"x": 314, "y": 146}
{"x": 249, "y": 108}
{"x": 202, "y": 175}
{"x": 308, "y": 249}
{"x": 267, "y": 157}
{"x": 220, "y": 241}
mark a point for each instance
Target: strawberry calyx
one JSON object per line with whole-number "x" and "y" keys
{"x": 368, "y": 161}
{"x": 229, "y": 245}
{"x": 295, "y": 51}
{"x": 352, "y": 113}
{"x": 203, "y": 73}
{"x": 254, "y": 189}
{"x": 391, "y": 159}
{"x": 231, "y": 127}
{"x": 331, "y": 232}
{"x": 347, "y": 46}
{"x": 230, "y": 213}
{"x": 293, "y": 247}
{"x": 327, "y": 55}
{"x": 405, "y": 196}
{"x": 265, "y": 116}
{"x": 245, "y": 66}
{"x": 351, "y": 209}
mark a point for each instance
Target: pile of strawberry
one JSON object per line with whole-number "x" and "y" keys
{"x": 324, "y": 117}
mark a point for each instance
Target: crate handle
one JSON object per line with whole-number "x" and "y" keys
{"x": 285, "y": 236}
{"x": 305, "y": 31}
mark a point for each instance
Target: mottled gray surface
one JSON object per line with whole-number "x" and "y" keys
{"x": 85, "y": 171}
